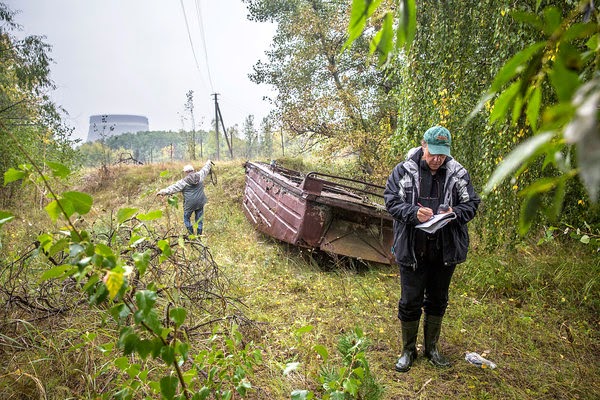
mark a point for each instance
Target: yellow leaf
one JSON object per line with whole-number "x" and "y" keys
{"x": 114, "y": 281}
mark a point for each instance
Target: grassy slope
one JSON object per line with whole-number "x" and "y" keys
{"x": 534, "y": 312}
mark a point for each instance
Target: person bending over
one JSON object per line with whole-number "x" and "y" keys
{"x": 194, "y": 198}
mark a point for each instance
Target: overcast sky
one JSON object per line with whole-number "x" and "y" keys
{"x": 135, "y": 57}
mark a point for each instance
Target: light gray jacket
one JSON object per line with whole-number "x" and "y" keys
{"x": 192, "y": 187}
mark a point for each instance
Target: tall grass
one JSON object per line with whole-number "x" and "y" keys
{"x": 533, "y": 311}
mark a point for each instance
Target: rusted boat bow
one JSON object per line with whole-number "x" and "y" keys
{"x": 319, "y": 211}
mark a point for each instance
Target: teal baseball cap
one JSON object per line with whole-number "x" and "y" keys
{"x": 438, "y": 140}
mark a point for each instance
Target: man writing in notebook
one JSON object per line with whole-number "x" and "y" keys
{"x": 428, "y": 182}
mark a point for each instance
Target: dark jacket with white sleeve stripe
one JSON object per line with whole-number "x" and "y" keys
{"x": 401, "y": 196}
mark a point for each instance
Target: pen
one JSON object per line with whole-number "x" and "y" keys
{"x": 421, "y": 205}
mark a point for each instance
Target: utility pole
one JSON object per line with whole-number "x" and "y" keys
{"x": 219, "y": 117}
{"x": 227, "y": 139}
{"x": 217, "y": 124}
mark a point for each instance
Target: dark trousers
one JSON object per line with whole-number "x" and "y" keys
{"x": 198, "y": 217}
{"x": 424, "y": 288}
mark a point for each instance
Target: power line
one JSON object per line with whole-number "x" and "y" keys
{"x": 203, "y": 37}
{"x": 187, "y": 26}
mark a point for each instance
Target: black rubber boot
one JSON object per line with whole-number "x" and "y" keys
{"x": 432, "y": 328}
{"x": 410, "y": 331}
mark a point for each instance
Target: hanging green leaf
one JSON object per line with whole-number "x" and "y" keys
{"x": 533, "y": 107}
{"x": 95, "y": 278}
{"x": 122, "y": 363}
{"x": 45, "y": 240}
{"x": 58, "y": 170}
{"x": 358, "y": 20}
{"x": 119, "y": 312}
{"x": 173, "y": 201}
{"x": 529, "y": 208}
{"x": 145, "y": 300}
{"x": 165, "y": 248}
{"x": 12, "y": 175}
{"x": 350, "y": 385}
{"x": 5, "y": 217}
{"x": 407, "y": 24}
{"x": 504, "y": 101}
{"x": 55, "y": 272}
{"x": 202, "y": 394}
{"x": 541, "y": 185}
{"x": 517, "y": 109}
{"x": 528, "y": 18}
{"x": 183, "y": 348}
{"x": 103, "y": 250}
{"x": 383, "y": 42}
{"x": 145, "y": 348}
{"x": 322, "y": 351}
{"x": 167, "y": 353}
{"x": 178, "y": 315}
{"x": 359, "y": 371}
{"x": 54, "y": 210}
{"x": 152, "y": 215}
{"x": 360, "y": 12}
{"x": 302, "y": 330}
{"x": 552, "y": 20}
{"x": 99, "y": 294}
{"x": 517, "y": 157}
{"x": 141, "y": 261}
{"x": 130, "y": 343}
{"x": 59, "y": 245}
{"x": 515, "y": 65}
{"x": 579, "y": 31}
{"x": 136, "y": 240}
{"x": 125, "y": 214}
{"x": 564, "y": 81}
{"x": 594, "y": 42}
{"x": 168, "y": 387}
{"x": 553, "y": 212}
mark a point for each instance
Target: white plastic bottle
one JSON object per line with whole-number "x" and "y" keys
{"x": 479, "y": 361}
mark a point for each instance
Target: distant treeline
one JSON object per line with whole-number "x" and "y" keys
{"x": 148, "y": 147}
{"x": 158, "y": 146}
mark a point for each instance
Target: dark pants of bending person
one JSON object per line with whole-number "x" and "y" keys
{"x": 424, "y": 288}
{"x": 198, "y": 220}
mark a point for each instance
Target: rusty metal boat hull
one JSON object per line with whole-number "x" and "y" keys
{"x": 316, "y": 212}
